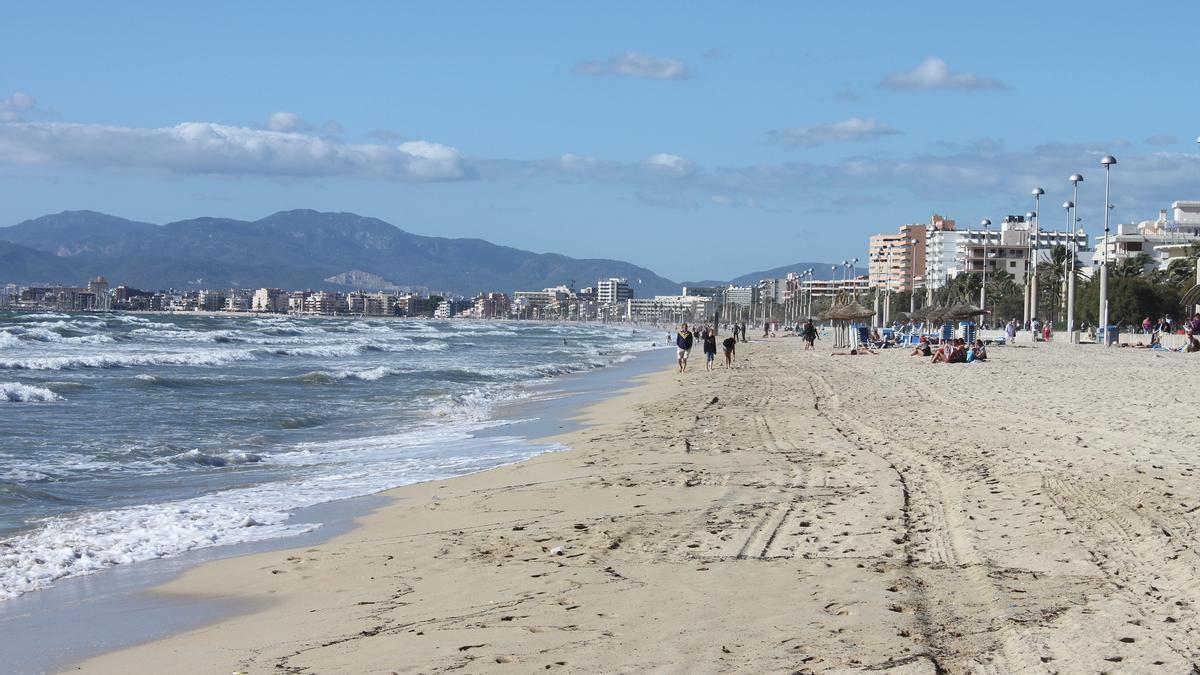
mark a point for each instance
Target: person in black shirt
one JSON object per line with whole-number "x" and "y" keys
{"x": 729, "y": 344}
{"x": 710, "y": 350}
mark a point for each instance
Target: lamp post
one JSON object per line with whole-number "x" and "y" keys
{"x": 1075, "y": 179}
{"x": 1067, "y": 280}
{"x": 1029, "y": 216}
{"x": 987, "y": 234}
{"x": 1033, "y": 256}
{"x": 1107, "y": 161}
{"x": 912, "y": 290}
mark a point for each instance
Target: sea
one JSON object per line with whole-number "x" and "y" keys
{"x": 126, "y": 438}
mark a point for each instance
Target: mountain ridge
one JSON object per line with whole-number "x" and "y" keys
{"x": 300, "y": 248}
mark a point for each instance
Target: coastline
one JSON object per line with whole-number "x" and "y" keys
{"x": 117, "y": 607}
{"x": 799, "y": 512}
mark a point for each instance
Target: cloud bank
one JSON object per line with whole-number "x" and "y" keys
{"x": 933, "y": 73}
{"x": 207, "y": 148}
{"x": 633, "y": 64}
{"x": 853, "y": 129}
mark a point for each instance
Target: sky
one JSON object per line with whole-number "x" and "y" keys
{"x": 699, "y": 139}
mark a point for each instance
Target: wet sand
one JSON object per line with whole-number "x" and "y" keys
{"x": 800, "y": 512}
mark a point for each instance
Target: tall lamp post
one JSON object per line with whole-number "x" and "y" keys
{"x": 1107, "y": 161}
{"x": 912, "y": 290}
{"x": 1075, "y": 179}
{"x": 1029, "y": 216}
{"x": 1033, "y": 257}
{"x": 987, "y": 234}
{"x": 1067, "y": 206}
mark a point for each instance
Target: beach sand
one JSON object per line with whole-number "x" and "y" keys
{"x": 798, "y": 513}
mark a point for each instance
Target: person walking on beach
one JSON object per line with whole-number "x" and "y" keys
{"x": 810, "y": 335}
{"x": 1036, "y": 329}
{"x": 1047, "y": 331}
{"x": 1010, "y": 331}
{"x": 710, "y": 350}
{"x": 728, "y": 344}
{"x": 683, "y": 346}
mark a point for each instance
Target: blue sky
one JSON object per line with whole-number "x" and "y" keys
{"x": 698, "y": 139}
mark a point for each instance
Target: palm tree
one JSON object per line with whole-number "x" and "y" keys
{"x": 1136, "y": 266}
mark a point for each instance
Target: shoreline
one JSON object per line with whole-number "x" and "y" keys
{"x": 115, "y": 608}
{"x": 798, "y": 512}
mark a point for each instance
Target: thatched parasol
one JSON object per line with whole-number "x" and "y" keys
{"x": 856, "y": 311}
{"x": 934, "y": 313}
{"x": 963, "y": 310}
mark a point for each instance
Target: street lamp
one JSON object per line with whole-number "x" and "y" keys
{"x": 1076, "y": 179}
{"x": 808, "y": 311}
{"x": 1067, "y": 206}
{"x": 987, "y": 224}
{"x": 1033, "y": 256}
{"x": 1107, "y": 161}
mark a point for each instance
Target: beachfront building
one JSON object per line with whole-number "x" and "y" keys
{"x": 896, "y": 261}
{"x": 269, "y": 300}
{"x": 1164, "y": 239}
{"x": 540, "y": 299}
{"x": 489, "y": 306}
{"x": 324, "y": 302}
{"x": 237, "y": 302}
{"x": 98, "y": 287}
{"x": 740, "y": 296}
{"x": 703, "y": 291}
{"x": 670, "y": 309}
{"x": 613, "y": 291}
{"x": 951, "y": 252}
{"x": 210, "y": 300}
{"x": 990, "y": 251}
{"x": 827, "y": 288}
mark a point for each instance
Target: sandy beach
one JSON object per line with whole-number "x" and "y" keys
{"x": 797, "y": 513}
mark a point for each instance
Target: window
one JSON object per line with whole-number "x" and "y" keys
{"x": 1012, "y": 263}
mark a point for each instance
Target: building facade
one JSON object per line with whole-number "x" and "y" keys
{"x": 670, "y": 309}
{"x": 613, "y": 291}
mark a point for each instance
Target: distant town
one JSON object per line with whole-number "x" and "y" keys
{"x": 918, "y": 260}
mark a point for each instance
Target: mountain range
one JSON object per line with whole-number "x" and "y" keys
{"x": 297, "y": 249}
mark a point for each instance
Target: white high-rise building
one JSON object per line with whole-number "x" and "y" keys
{"x": 269, "y": 300}
{"x": 613, "y": 291}
{"x": 99, "y": 288}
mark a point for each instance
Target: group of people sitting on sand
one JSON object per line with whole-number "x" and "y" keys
{"x": 951, "y": 351}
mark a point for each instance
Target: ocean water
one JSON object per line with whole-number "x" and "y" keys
{"x": 132, "y": 437}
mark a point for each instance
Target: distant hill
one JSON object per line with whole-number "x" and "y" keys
{"x": 821, "y": 270}
{"x": 22, "y": 264}
{"x": 291, "y": 249}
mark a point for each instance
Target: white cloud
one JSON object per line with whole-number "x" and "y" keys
{"x": 673, "y": 164}
{"x": 853, "y": 129}
{"x": 1162, "y": 139}
{"x": 933, "y": 73}
{"x": 634, "y": 64}
{"x": 15, "y": 107}
{"x": 206, "y": 148}
{"x": 286, "y": 121}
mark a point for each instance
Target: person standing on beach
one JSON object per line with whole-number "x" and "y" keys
{"x": 710, "y": 350}
{"x": 1035, "y": 329}
{"x": 683, "y": 346}
{"x": 1010, "y": 331}
{"x": 728, "y": 344}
